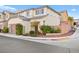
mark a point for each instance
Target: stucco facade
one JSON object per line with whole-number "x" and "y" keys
{"x": 26, "y": 24}
{"x": 44, "y": 15}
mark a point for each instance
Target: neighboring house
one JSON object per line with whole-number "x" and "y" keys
{"x": 42, "y": 15}
{"x": 77, "y": 22}
{"x": 65, "y": 25}
{"x": 3, "y": 21}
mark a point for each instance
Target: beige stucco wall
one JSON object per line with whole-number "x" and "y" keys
{"x": 24, "y": 13}
{"x": 1, "y": 25}
{"x": 15, "y": 21}
{"x": 49, "y": 20}
{"x": 32, "y": 12}
{"x": 52, "y": 19}
{"x": 26, "y": 24}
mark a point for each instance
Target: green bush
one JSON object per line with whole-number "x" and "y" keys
{"x": 5, "y": 30}
{"x": 46, "y": 29}
{"x": 58, "y": 30}
{"x": 32, "y": 33}
{"x": 52, "y": 30}
{"x": 19, "y": 29}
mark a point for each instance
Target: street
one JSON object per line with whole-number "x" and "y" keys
{"x": 16, "y": 45}
{"x": 11, "y": 45}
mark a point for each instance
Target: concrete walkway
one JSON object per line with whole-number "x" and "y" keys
{"x": 62, "y": 35}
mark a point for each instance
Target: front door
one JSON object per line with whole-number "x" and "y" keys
{"x": 13, "y": 28}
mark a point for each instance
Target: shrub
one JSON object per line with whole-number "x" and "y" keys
{"x": 46, "y": 29}
{"x": 19, "y": 29}
{"x": 58, "y": 30}
{"x": 32, "y": 33}
{"x": 5, "y": 30}
{"x": 52, "y": 30}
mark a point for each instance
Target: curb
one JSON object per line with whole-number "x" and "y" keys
{"x": 34, "y": 38}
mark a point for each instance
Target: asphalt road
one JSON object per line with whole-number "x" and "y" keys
{"x": 12, "y": 45}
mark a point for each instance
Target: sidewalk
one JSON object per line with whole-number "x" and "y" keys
{"x": 62, "y": 35}
{"x": 32, "y": 38}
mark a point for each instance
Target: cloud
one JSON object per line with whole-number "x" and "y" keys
{"x": 3, "y": 8}
{"x": 73, "y": 9}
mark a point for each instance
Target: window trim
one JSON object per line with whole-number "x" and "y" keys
{"x": 39, "y": 11}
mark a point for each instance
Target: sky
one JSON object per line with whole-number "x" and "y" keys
{"x": 73, "y": 10}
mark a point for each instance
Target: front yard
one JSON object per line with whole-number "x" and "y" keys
{"x": 46, "y": 31}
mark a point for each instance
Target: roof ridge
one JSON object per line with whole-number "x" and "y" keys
{"x": 39, "y": 8}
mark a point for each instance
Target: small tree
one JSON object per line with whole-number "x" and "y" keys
{"x": 71, "y": 20}
{"x": 19, "y": 29}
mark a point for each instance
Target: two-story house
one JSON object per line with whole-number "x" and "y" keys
{"x": 42, "y": 16}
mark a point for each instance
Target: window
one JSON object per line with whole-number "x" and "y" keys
{"x": 28, "y": 13}
{"x": 39, "y": 11}
{"x": 42, "y": 11}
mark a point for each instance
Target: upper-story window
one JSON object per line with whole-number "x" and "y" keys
{"x": 39, "y": 11}
{"x": 28, "y": 13}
